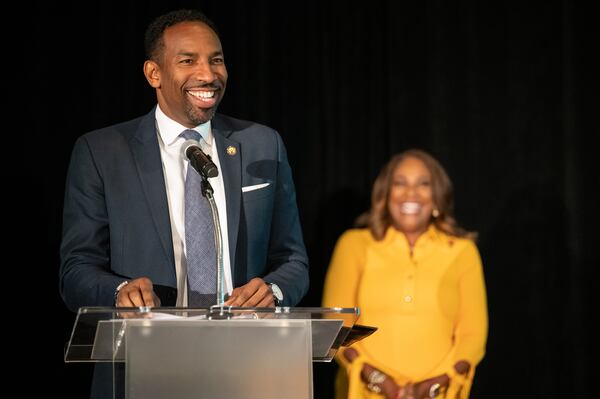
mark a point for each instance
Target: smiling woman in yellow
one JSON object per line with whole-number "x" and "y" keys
{"x": 417, "y": 276}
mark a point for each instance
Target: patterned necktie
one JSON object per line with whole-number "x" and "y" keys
{"x": 199, "y": 239}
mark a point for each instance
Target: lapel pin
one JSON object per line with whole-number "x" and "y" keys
{"x": 231, "y": 150}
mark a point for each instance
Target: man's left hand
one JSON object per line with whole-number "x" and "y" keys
{"x": 255, "y": 293}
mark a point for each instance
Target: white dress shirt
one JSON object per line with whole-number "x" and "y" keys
{"x": 175, "y": 167}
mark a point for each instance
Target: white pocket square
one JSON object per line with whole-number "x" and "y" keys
{"x": 245, "y": 189}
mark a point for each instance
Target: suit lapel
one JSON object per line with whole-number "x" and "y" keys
{"x": 230, "y": 160}
{"x": 146, "y": 154}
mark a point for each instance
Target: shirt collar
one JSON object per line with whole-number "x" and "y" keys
{"x": 169, "y": 130}
{"x": 431, "y": 234}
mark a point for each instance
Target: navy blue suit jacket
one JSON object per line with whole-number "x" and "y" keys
{"x": 116, "y": 217}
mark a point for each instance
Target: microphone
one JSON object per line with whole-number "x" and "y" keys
{"x": 198, "y": 159}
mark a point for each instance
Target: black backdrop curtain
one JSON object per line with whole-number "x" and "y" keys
{"x": 499, "y": 92}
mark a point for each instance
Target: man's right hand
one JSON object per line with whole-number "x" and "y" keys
{"x": 137, "y": 293}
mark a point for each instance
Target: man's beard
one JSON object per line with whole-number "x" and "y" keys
{"x": 200, "y": 117}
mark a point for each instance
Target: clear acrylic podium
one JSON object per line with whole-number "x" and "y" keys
{"x": 211, "y": 353}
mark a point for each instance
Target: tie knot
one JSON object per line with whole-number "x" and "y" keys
{"x": 190, "y": 134}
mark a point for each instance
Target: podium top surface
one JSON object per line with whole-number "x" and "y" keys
{"x": 99, "y": 333}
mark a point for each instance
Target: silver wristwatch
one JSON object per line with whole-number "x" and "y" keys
{"x": 277, "y": 293}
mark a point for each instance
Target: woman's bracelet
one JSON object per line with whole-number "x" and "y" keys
{"x": 434, "y": 390}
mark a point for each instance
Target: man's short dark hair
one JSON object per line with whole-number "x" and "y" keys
{"x": 153, "y": 39}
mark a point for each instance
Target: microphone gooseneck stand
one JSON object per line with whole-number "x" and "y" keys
{"x": 217, "y": 311}
{"x": 205, "y": 167}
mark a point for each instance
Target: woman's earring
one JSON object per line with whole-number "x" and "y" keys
{"x": 435, "y": 213}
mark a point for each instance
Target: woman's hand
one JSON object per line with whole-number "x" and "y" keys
{"x": 405, "y": 392}
{"x": 420, "y": 390}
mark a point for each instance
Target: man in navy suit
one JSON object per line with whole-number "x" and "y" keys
{"x": 123, "y": 238}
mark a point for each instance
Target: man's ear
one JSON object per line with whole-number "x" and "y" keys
{"x": 152, "y": 73}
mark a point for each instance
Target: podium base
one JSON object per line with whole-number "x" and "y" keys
{"x": 203, "y": 358}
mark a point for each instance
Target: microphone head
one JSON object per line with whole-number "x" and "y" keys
{"x": 203, "y": 164}
{"x": 188, "y": 144}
